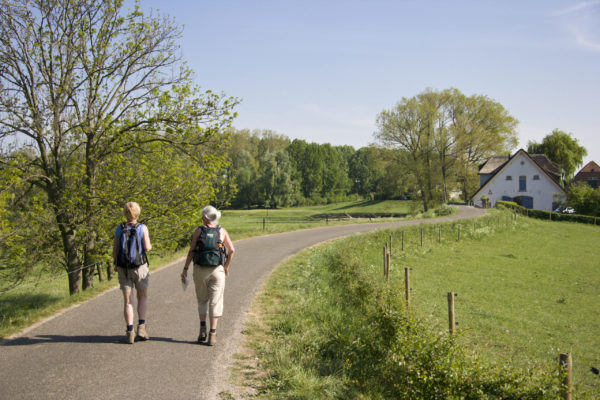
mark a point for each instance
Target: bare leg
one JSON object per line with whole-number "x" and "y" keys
{"x": 128, "y": 306}
{"x": 142, "y": 297}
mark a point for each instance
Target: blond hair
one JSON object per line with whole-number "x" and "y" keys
{"x": 132, "y": 211}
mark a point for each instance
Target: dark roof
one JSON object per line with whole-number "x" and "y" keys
{"x": 493, "y": 164}
{"x": 547, "y": 165}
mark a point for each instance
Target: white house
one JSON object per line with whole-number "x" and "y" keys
{"x": 531, "y": 180}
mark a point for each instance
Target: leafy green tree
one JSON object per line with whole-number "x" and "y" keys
{"x": 584, "y": 199}
{"x": 336, "y": 182}
{"x": 275, "y": 182}
{"x": 409, "y": 127}
{"x": 446, "y": 134}
{"x": 83, "y": 84}
{"x": 562, "y": 148}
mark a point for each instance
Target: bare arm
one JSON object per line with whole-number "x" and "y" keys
{"x": 190, "y": 254}
{"x": 147, "y": 245}
{"x": 230, "y": 250}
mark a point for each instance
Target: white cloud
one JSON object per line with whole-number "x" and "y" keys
{"x": 576, "y": 8}
{"x": 582, "y": 21}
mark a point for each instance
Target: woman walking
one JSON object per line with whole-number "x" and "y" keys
{"x": 130, "y": 245}
{"x": 211, "y": 251}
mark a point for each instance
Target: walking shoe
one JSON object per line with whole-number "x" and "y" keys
{"x": 130, "y": 337}
{"x": 202, "y": 336}
{"x": 141, "y": 332}
{"x": 212, "y": 339}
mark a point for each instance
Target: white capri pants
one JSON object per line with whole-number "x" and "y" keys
{"x": 210, "y": 286}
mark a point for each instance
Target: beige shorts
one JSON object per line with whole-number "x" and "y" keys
{"x": 210, "y": 286}
{"x": 134, "y": 277}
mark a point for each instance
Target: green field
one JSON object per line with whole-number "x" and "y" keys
{"x": 41, "y": 294}
{"x": 527, "y": 291}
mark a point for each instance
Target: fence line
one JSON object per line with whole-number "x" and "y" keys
{"x": 565, "y": 360}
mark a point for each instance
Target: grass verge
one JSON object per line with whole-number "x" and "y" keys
{"x": 350, "y": 334}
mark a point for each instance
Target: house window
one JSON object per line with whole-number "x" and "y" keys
{"x": 593, "y": 183}
{"x": 522, "y": 183}
{"x": 536, "y": 177}
{"x": 508, "y": 178}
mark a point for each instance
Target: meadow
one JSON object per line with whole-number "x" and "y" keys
{"x": 527, "y": 291}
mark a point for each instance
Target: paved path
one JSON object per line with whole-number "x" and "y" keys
{"x": 80, "y": 354}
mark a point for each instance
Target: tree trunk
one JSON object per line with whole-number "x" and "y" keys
{"x": 71, "y": 256}
{"x": 90, "y": 252}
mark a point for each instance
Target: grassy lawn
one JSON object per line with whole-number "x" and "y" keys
{"x": 42, "y": 295}
{"x": 245, "y": 223}
{"x": 527, "y": 291}
{"x": 525, "y": 294}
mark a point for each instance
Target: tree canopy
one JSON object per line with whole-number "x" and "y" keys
{"x": 445, "y": 135}
{"x": 93, "y": 98}
{"x": 563, "y": 149}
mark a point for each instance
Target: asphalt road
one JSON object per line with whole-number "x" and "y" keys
{"x": 81, "y": 353}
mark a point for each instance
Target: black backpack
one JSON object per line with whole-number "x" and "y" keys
{"x": 131, "y": 252}
{"x": 209, "y": 247}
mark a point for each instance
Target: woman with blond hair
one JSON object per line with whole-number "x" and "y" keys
{"x": 133, "y": 236}
{"x": 212, "y": 251}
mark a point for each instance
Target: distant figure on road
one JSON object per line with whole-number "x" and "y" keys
{"x": 130, "y": 245}
{"x": 212, "y": 251}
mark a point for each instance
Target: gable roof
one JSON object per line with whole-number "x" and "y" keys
{"x": 492, "y": 164}
{"x": 501, "y": 166}
{"x": 590, "y": 167}
{"x": 591, "y": 171}
{"x": 495, "y": 163}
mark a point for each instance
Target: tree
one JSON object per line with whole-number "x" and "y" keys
{"x": 584, "y": 199}
{"x": 409, "y": 127}
{"x": 275, "y": 182}
{"x": 81, "y": 85}
{"x": 562, "y": 148}
{"x": 446, "y": 134}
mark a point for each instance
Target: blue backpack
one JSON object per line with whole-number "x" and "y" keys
{"x": 131, "y": 253}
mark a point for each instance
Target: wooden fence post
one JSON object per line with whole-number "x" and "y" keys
{"x": 388, "y": 258}
{"x": 566, "y": 369}
{"x": 384, "y": 260}
{"x": 451, "y": 317}
{"x": 407, "y": 285}
{"x": 264, "y": 224}
{"x": 326, "y": 219}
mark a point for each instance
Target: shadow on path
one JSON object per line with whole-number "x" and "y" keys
{"x": 111, "y": 339}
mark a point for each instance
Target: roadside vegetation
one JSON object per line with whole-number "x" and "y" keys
{"x": 527, "y": 291}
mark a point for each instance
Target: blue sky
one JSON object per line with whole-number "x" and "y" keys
{"x": 322, "y": 70}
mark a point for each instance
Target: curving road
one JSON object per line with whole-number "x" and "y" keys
{"x": 80, "y": 353}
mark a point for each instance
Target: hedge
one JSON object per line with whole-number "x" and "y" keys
{"x": 549, "y": 215}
